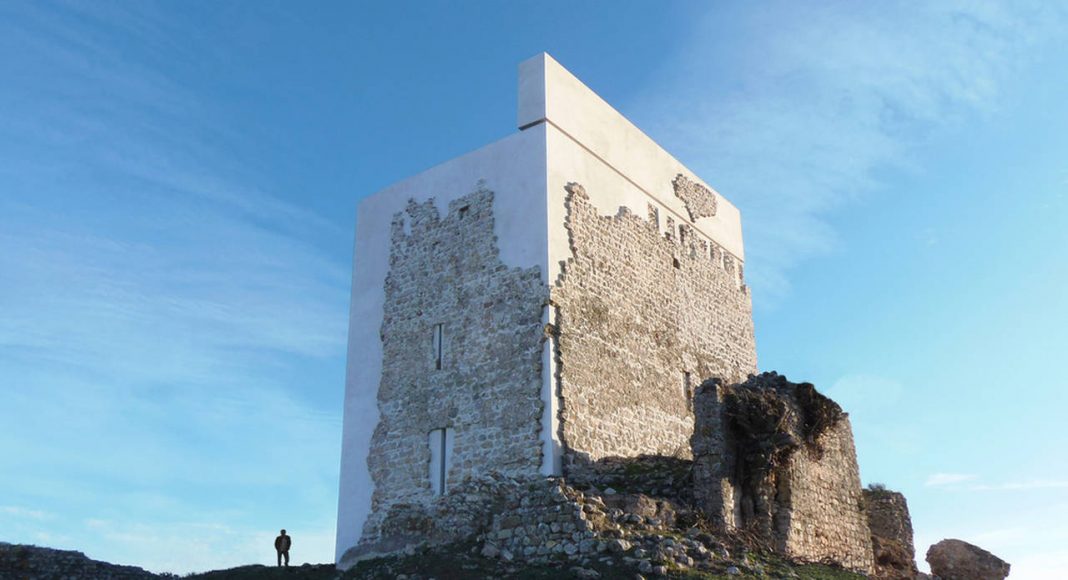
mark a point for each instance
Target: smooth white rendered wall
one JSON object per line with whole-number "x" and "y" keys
{"x": 514, "y": 169}
{"x": 549, "y": 94}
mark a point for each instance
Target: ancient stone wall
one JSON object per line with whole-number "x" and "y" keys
{"x": 891, "y": 534}
{"x": 777, "y": 460}
{"x": 823, "y": 500}
{"x": 714, "y": 457}
{"x": 545, "y": 520}
{"x": 640, "y": 317}
{"x": 446, "y": 271}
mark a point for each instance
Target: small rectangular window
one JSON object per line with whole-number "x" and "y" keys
{"x": 439, "y": 345}
{"x": 440, "y": 442}
{"x": 687, "y": 390}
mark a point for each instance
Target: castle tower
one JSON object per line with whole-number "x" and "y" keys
{"x": 533, "y": 307}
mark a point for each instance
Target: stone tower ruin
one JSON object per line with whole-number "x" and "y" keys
{"x": 534, "y": 307}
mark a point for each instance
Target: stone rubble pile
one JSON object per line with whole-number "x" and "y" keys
{"x": 654, "y": 475}
{"x": 554, "y": 522}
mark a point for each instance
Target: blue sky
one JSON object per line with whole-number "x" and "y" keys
{"x": 177, "y": 192}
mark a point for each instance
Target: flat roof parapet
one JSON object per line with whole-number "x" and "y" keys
{"x": 549, "y": 93}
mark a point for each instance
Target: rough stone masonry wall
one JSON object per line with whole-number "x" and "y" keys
{"x": 891, "y": 534}
{"x": 714, "y": 456}
{"x": 824, "y": 502}
{"x": 776, "y": 460}
{"x": 446, "y": 270}
{"x": 636, "y": 310}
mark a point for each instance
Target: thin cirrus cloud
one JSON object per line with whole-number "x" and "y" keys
{"x": 154, "y": 300}
{"x": 942, "y": 479}
{"x": 1030, "y": 485}
{"x": 136, "y": 245}
{"x": 955, "y": 480}
{"x": 803, "y": 120}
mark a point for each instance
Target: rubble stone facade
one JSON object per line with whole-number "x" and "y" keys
{"x": 642, "y": 317}
{"x": 891, "y": 534}
{"x": 777, "y": 460}
{"x": 447, "y": 285}
{"x": 700, "y": 202}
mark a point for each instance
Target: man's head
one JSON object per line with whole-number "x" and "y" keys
{"x": 283, "y": 532}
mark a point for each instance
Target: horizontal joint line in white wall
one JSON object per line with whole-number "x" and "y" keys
{"x": 651, "y": 195}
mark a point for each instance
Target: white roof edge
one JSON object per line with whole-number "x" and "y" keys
{"x": 550, "y": 93}
{"x": 435, "y": 170}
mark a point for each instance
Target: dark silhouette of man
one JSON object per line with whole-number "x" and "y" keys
{"x": 281, "y": 545}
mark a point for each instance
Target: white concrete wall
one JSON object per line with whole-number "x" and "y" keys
{"x": 514, "y": 169}
{"x": 593, "y": 144}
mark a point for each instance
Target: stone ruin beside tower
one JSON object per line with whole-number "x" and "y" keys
{"x": 547, "y": 307}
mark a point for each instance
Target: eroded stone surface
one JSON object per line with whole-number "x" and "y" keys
{"x": 446, "y": 270}
{"x": 777, "y": 460}
{"x": 958, "y": 560}
{"x": 891, "y": 534}
{"x": 637, "y": 313}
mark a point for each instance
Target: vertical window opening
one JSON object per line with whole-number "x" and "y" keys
{"x": 687, "y": 390}
{"x": 439, "y": 335}
{"x": 440, "y": 441}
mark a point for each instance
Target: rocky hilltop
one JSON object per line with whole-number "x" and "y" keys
{"x": 451, "y": 562}
{"x": 770, "y": 489}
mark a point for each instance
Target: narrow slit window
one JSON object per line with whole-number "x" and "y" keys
{"x": 439, "y": 345}
{"x": 440, "y": 442}
{"x": 687, "y": 390}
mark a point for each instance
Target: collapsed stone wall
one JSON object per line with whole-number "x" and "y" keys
{"x": 776, "y": 460}
{"x": 641, "y": 315}
{"x": 446, "y": 271}
{"x": 826, "y": 521}
{"x": 891, "y": 534}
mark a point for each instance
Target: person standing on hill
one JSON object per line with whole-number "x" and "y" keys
{"x": 281, "y": 545}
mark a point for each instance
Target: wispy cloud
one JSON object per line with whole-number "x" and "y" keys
{"x": 21, "y": 512}
{"x": 167, "y": 316}
{"x": 942, "y": 479}
{"x": 819, "y": 103}
{"x": 1030, "y": 485}
{"x": 955, "y": 481}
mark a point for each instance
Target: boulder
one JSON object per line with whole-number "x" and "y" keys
{"x": 959, "y": 560}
